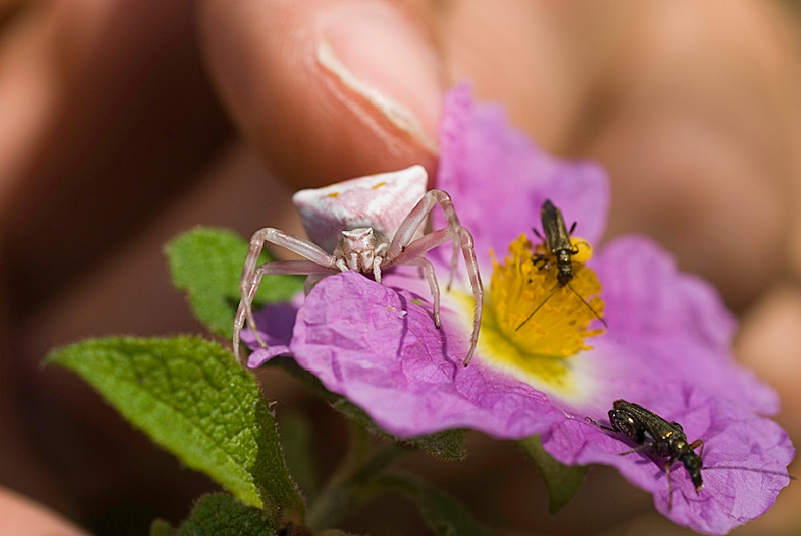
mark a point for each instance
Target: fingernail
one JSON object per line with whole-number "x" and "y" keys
{"x": 373, "y": 50}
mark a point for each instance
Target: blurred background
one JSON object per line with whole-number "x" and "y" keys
{"x": 123, "y": 124}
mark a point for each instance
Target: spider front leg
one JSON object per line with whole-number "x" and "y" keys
{"x": 319, "y": 262}
{"x": 418, "y": 249}
{"x": 418, "y": 216}
{"x": 426, "y": 266}
{"x": 244, "y": 311}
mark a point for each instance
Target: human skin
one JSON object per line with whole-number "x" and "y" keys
{"x": 690, "y": 107}
{"x": 23, "y": 516}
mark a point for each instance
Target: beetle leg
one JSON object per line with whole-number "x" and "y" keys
{"x": 670, "y": 484}
{"x": 636, "y": 449}
{"x": 538, "y": 257}
{"x": 601, "y": 426}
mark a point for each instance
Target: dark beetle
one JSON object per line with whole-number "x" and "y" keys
{"x": 557, "y": 241}
{"x": 658, "y": 438}
{"x": 665, "y": 440}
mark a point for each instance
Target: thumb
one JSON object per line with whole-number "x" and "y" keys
{"x": 326, "y": 90}
{"x": 21, "y": 515}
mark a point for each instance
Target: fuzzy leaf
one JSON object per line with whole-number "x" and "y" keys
{"x": 192, "y": 398}
{"x": 441, "y": 512}
{"x": 218, "y": 515}
{"x": 445, "y": 445}
{"x": 207, "y": 263}
{"x": 159, "y": 527}
{"x": 562, "y": 481}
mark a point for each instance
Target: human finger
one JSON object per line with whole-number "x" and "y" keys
{"x": 23, "y": 517}
{"x": 327, "y": 90}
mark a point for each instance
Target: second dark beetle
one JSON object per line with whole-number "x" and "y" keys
{"x": 658, "y": 438}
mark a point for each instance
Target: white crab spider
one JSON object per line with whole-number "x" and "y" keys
{"x": 363, "y": 225}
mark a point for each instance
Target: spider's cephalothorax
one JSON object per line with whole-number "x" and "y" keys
{"x": 362, "y": 250}
{"x": 364, "y": 225}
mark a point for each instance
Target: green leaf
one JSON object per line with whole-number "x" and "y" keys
{"x": 192, "y": 398}
{"x": 447, "y": 445}
{"x": 159, "y": 527}
{"x": 562, "y": 481}
{"x": 218, "y": 515}
{"x": 440, "y": 511}
{"x": 207, "y": 263}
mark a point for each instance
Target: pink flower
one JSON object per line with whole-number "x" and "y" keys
{"x": 668, "y": 346}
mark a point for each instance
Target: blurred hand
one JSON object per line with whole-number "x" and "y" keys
{"x": 22, "y": 516}
{"x": 687, "y": 105}
{"x": 110, "y": 124}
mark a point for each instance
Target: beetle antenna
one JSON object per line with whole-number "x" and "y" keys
{"x": 572, "y": 228}
{"x": 587, "y": 304}
{"x": 751, "y": 469}
{"x": 538, "y": 307}
{"x": 536, "y": 232}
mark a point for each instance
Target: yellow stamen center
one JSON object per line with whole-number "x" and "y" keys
{"x": 539, "y": 344}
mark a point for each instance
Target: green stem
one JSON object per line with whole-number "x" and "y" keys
{"x": 348, "y": 488}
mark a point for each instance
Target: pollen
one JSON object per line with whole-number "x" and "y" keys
{"x": 539, "y": 344}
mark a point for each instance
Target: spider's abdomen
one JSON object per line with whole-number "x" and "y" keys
{"x": 380, "y": 202}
